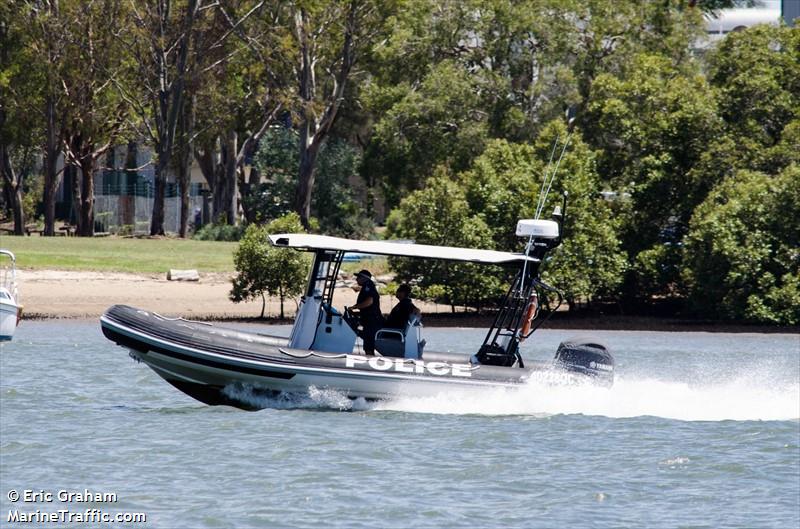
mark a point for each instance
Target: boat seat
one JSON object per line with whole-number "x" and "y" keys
{"x": 401, "y": 343}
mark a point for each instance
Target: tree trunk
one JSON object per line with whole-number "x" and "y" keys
{"x": 183, "y": 183}
{"x": 315, "y": 127}
{"x": 168, "y": 107}
{"x": 220, "y": 190}
{"x": 13, "y": 185}
{"x": 51, "y": 173}
{"x": 225, "y": 185}
{"x": 72, "y": 180}
{"x": 184, "y": 162}
{"x": 17, "y": 209}
{"x": 160, "y": 187}
{"x": 263, "y": 305}
{"x": 305, "y": 184}
{"x": 246, "y": 189}
{"x": 230, "y": 180}
{"x": 86, "y": 211}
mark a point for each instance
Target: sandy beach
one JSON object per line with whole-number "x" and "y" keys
{"x": 48, "y": 294}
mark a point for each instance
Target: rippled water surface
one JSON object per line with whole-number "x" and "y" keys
{"x": 700, "y": 430}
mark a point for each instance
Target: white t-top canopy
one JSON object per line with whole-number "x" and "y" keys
{"x": 304, "y": 241}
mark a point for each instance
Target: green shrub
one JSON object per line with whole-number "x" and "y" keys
{"x": 266, "y": 270}
{"x": 219, "y": 232}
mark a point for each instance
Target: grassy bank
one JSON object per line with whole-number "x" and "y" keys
{"x": 114, "y": 254}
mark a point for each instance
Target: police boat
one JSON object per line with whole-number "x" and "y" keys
{"x": 218, "y": 365}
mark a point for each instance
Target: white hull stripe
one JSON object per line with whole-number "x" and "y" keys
{"x": 300, "y": 370}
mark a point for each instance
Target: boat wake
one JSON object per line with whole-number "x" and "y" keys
{"x": 748, "y": 398}
{"x": 315, "y": 399}
{"x": 743, "y": 399}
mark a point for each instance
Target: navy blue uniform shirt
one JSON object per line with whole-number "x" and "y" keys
{"x": 398, "y": 318}
{"x": 370, "y": 316}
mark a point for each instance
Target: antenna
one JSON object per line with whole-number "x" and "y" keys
{"x": 548, "y": 180}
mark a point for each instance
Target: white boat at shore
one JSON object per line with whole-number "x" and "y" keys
{"x": 10, "y": 307}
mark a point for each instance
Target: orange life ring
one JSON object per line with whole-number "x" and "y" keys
{"x": 530, "y": 315}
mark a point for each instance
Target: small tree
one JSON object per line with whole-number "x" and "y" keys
{"x": 263, "y": 269}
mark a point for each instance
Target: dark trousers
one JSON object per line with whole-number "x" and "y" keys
{"x": 368, "y": 335}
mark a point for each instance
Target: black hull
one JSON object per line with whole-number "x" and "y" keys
{"x": 202, "y": 361}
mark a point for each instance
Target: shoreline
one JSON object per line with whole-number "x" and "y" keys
{"x": 71, "y": 295}
{"x": 437, "y": 320}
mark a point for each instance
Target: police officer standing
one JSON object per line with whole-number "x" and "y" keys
{"x": 369, "y": 305}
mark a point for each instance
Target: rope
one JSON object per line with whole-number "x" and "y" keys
{"x": 312, "y": 353}
{"x": 157, "y": 315}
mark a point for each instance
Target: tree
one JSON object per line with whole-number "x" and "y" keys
{"x": 757, "y": 75}
{"x": 440, "y": 215}
{"x": 503, "y": 186}
{"x": 336, "y": 203}
{"x": 276, "y": 160}
{"x": 159, "y": 49}
{"x": 46, "y": 29}
{"x": 741, "y": 251}
{"x": 453, "y": 75}
{"x": 263, "y": 269}
{"x": 591, "y": 262}
{"x": 66, "y": 90}
{"x": 334, "y": 206}
{"x": 436, "y": 123}
{"x": 20, "y": 124}
{"x": 95, "y": 112}
{"x": 652, "y": 127}
{"x": 327, "y": 40}
{"x": 608, "y": 34}
{"x": 238, "y": 96}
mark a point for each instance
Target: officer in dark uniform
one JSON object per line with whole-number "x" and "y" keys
{"x": 369, "y": 305}
{"x": 398, "y": 318}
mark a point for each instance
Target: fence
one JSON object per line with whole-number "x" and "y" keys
{"x": 131, "y": 214}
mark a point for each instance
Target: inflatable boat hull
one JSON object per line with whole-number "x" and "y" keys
{"x": 213, "y": 364}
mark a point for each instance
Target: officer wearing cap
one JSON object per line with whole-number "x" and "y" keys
{"x": 369, "y": 305}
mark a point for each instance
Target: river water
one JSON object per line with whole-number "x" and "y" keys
{"x": 700, "y": 430}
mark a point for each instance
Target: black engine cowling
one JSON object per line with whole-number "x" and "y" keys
{"x": 587, "y": 357}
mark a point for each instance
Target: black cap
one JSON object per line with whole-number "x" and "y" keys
{"x": 365, "y": 273}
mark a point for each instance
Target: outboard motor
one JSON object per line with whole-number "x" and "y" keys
{"x": 587, "y": 357}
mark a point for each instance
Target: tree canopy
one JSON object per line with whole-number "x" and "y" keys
{"x": 438, "y": 120}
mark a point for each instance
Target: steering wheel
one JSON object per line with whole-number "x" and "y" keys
{"x": 353, "y": 319}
